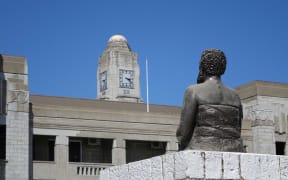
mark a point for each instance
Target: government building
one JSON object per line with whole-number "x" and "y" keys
{"x": 59, "y": 138}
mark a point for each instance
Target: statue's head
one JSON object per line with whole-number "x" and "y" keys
{"x": 212, "y": 63}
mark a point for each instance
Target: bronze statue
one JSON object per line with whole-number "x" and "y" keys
{"x": 212, "y": 113}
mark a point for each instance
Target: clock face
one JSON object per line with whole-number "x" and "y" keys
{"x": 103, "y": 81}
{"x": 126, "y": 78}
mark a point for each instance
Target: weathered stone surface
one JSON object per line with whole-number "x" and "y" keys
{"x": 250, "y": 166}
{"x": 180, "y": 165}
{"x": 196, "y": 165}
{"x": 269, "y": 167}
{"x": 156, "y": 168}
{"x": 104, "y": 175}
{"x": 168, "y": 166}
{"x": 284, "y": 167}
{"x": 189, "y": 164}
{"x": 140, "y": 170}
{"x": 118, "y": 173}
{"x": 213, "y": 165}
{"x": 231, "y": 166}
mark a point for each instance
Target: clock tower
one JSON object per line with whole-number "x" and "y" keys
{"x": 118, "y": 74}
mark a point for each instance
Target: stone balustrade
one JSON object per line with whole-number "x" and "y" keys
{"x": 90, "y": 170}
{"x": 190, "y": 165}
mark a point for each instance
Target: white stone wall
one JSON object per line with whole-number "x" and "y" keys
{"x": 202, "y": 165}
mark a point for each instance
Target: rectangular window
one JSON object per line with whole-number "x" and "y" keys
{"x": 280, "y": 148}
{"x": 92, "y": 150}
{"x": 43, "y": 148}
{"x": 139, "y": 150}
{"x": 2, "y": 141}
{"x": 75, "y": 151}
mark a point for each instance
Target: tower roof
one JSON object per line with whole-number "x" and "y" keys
{"x": 117, "y": 38}
{"x": 117, "y": 42}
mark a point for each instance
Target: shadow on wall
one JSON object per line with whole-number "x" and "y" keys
{"x": 31, "y": 117}
{"x": 2, "y": 121}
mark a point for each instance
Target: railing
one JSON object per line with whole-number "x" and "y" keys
{"x": 89, "y": 169}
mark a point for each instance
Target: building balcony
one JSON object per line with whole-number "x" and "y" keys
{"x": 74, "y": 170}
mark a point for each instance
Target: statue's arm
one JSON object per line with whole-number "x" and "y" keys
{"x": 187, "y": 120}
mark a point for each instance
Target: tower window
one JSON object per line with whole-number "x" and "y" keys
{"x": 280, "y": 148}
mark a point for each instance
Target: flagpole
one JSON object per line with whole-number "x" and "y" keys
{"x": 147, "y": 86}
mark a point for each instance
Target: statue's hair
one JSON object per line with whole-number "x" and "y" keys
{"x": 213, "y": 62}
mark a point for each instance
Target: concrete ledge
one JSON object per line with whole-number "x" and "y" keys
{"x": 190, "y": 165}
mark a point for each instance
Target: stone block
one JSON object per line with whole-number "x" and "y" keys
{"x": 140, "y": 170}
{"x": 213, "y": 165}
{"x": 189, "y": 164}
{"x": 250, "y": 166}
{"x": 104, "y": 175}
{"x": 156, "y": 168}
{"x": 180, "y": 165}
{"x": 168, "y": 166}
{"x": 118, "y": 173}
{"x": 269, "y": 167}
{"x": 231, "y": 166}
{"x": 283, "y": 167}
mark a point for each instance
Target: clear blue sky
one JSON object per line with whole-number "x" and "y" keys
{"x": 62, "y": 41}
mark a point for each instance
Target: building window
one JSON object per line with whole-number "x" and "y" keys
{"x": 3, "y": 141}
{"x": 75, "y": 151}
{"x": 92, "y": 150}
{"x": 280, "y": 148}
{"x": 43, "y": 148}
{"x": 138, "y": 150}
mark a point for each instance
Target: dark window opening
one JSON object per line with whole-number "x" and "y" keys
{"x": 75, "y": 151}
{"x": 139, "y": 150}
{"x": 2, "y": 141}
{"x": 43, "y": 148}
{"x": 280, "y": 148}
{"x": 92, "y": 150}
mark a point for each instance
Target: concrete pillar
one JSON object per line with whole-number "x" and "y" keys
{"x": 171, "y": 147}
{"x": 61, "y": 156}
{"x": 119, "y": 152}
{"x": 263, "y": 137}
{"x": 18, "y": 142}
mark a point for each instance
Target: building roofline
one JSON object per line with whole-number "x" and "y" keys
{"x": 262, "y": 88}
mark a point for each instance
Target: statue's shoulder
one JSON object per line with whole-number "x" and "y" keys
{"x": 192, "y": 88}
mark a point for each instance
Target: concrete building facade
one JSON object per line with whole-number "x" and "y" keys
{"x": 46, "y": 137}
